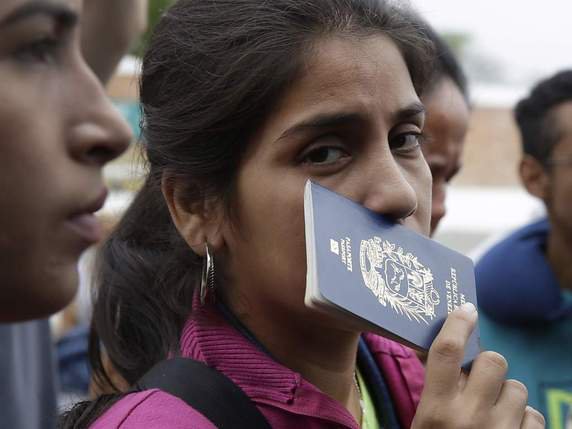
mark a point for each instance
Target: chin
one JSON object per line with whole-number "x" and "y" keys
{"x": 37, "y": 297}
{"x": 61, "y": 293}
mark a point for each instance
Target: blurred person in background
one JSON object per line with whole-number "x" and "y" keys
{"x": 447, "y": 109}
{"x": 57, "y": 130}
{"x": 446, "y": 100}
{"x": 524, "y": 282}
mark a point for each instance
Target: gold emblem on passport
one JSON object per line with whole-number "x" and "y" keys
{"x": 397, "y": 278}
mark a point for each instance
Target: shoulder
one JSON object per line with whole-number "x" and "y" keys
{"x": 378, "y": 344}
{"x": 398, "y": 362}
{"x": 519, "y": 244}
{"x": 515, "y": 282}
{"x": 152, "y": 409}
{"x": 513, "y": 260}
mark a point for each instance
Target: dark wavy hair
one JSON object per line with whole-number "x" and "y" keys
{"x": 539, "y": 134}
{"x": 211, "y": 76}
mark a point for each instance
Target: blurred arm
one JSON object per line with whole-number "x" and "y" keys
{"x": 109, "y": 28}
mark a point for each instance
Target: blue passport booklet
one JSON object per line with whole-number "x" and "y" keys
{"x": 379, "y": 276}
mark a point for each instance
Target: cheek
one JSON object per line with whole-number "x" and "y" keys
{"x": 269, "y": 204}
{"x": 561, "y": 196}
{"x": 439, "y": 193}
{"x": 32, "y": 131}
{"x": 34, "y": 171}
{"x": 50, "y": 279}
{"x": 269, "y": 245}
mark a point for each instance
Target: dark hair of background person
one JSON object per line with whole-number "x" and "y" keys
{"x": 446, "y": 64}
{"x": 212, "y": 74}
{"x": 539, "y": 133}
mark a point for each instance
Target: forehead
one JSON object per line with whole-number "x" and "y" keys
{"x": 7, "y": 7}
{"x": 447, "y": 108}
{"x": 446, "y": 95}
{"x": 367, "y": 73}
{"x": 561, "y": 118}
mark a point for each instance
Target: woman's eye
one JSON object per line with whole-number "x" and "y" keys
{"x": 406, "y": 141}
{"x": 324, "y": 155}
{"x": 42, "y": 50}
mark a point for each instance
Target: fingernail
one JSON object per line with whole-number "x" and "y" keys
{"x": 536, "y": 413}
{"x": 468, "y": 307}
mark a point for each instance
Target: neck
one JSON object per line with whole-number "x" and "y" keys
{"x": 559, "y": 254}
{"x": 324, "y": 356}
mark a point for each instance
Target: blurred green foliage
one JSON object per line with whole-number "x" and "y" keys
{"x": 156, "y": 9}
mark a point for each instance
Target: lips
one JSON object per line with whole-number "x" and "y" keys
{"x": 84, "y": 222}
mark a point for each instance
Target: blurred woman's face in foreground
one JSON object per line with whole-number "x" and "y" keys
{"x": 351, "y": 122}
{"x": 57, "y": 130}
{"x": 445, "y": 130}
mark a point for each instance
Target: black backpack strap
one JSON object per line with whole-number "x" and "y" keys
{"x": 206, "y": 390}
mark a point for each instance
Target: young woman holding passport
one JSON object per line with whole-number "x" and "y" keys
{"x": 244, "y": 100}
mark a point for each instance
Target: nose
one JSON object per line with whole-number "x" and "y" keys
{"x": 98, "y": 133}
{"x": 390, "y": 193}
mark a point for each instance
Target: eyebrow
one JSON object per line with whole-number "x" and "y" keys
{"x": 62, "y": 14}
{"x": 322, "y": 121}
{"x": 339, "y": 119}
{"x": 411, "y": 111}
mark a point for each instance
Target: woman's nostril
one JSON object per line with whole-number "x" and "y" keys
{"x": 96, "y": 143}
{"x": 101, "y": 155}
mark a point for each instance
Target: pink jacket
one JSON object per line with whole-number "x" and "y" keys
{"x": 282, "y": 395}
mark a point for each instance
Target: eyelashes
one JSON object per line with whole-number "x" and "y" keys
{"x": 324, "y": 155}
{"x": 406, "y": 142}
{"x": 332, "y": 149}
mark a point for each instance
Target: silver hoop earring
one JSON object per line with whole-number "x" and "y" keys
{"x": 207, "y": 278}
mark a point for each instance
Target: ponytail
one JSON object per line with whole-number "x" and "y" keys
{"x": 146, "y": 277}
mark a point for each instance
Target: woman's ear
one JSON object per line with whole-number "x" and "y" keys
{"x": 198, "y": 222}
{"x": 534, "y": 177}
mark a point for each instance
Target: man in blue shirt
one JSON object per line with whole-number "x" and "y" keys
{"x": 524, "y": 282}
